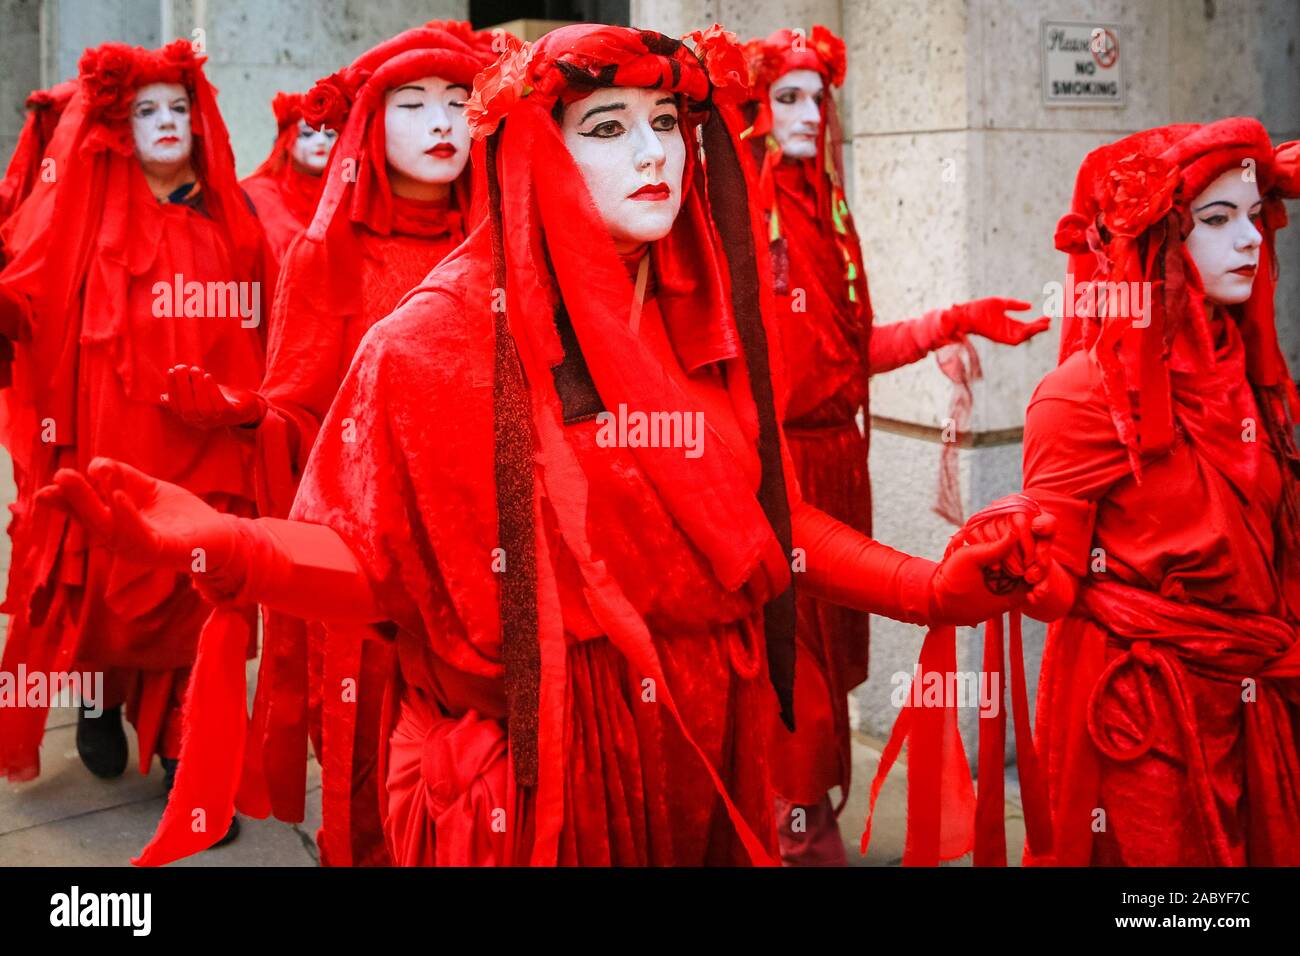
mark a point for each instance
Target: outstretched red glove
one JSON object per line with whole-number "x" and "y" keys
{"x": 302, "y": 569}
{"x": 988, "y": 317}
{"x": 150, "y": 522}
{"x": 200, "y": 400}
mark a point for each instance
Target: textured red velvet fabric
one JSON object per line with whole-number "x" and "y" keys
{"x": 92, "y": 352}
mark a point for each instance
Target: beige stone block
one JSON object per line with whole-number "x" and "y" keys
{"x": 910, "y": 207}
{"x": 907, "y": 65}
{"x": 1235, "y": 58}
{"x": 1022, "y": 183}
{"x": 1006, "y": 78}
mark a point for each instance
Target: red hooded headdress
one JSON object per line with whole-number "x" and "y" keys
{"x": 44, "y": 108}
{"x": 1127, "y": 225}
{"x": 351, "y": 99}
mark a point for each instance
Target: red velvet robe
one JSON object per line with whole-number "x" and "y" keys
{"x": 1167, "y": 712}
{"x": 91, "y": 610}
{"x": 830, "y": 349}
{"x": 413, "y": 495}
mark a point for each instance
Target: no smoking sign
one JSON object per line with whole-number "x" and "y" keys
{"x": 1082, "y": 64}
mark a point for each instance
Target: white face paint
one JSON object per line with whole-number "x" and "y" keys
{"x": 630, "y": 150}
{"x": 796, "y": 100}
{"x": 160, "y": 124}
{"x": 311, "y": 150}
{"x": 425, "y": 134}
{"x": 1225, "y": 238}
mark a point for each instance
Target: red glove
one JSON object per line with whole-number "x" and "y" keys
{"x": 988, "y": 317}
{"x": 1051, "y": 589}
{"x": 199, "y": 400}
{"x": 302, "y": 569}
{"x": 150, "y": 522}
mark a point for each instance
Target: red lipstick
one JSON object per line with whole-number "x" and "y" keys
{"x": 442, "y": 151}
{"x": 652, "y": 192}
{"x": 1247, "y": 271}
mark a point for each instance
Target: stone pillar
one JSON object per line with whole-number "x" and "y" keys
{"x": 256, "y": 47}
{"x": 20, "y": 52}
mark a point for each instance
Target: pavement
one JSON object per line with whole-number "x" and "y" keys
{"x": 67, "y": 817}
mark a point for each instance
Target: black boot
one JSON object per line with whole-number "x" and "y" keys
{"x": 169, "y": 765}
{"x": 101, "y": 742}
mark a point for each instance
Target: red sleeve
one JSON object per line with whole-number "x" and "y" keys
{"x": 902, "y": 343}
{"x": 843, "y": 566}
{"x": 1072, "y": 455}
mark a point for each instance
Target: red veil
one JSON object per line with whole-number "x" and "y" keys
{"x": 44, "y": 107}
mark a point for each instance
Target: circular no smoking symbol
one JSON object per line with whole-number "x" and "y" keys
{"x": 1105, "y": 48}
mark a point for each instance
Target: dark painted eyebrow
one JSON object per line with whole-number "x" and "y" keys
{"x": 666, "y": 100}
{"x": 607, "y": 108}
{"x": 1218, "y": 202}
{"x": 458, "y": 86}
{"x": 409, "y": 86}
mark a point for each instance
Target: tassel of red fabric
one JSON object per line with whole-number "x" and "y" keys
{"x": 202, "y": 801}
{"x": 946, "y": 819}
{"x": 961, "y": 363}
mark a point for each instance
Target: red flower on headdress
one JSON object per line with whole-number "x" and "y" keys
{"x": 723, "y": 59}
{"x": 1286, "y": 169}
{"x": 181, "y": 53}
{"x": 287, "y": 108}
{"x": 1139, "y": 191}
{"x": 326, "y": 105}
{"x": 831, "y": 50}
{"x": 497, "y": 89}
{"x": 107, "y": 78}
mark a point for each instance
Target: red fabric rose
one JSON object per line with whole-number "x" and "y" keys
{"x": 1139, "y": 191}
{"x": 497, "y": 89}
{"x": 723, "y": 58}
{"x": 328, "y": 102}
{"x": 287, "y": 108}
{"x": 832, "y": 52}
{"x": 107, "y": 76}
{"x": 1072, "y": 233}
{"x": 1286, "y": 169}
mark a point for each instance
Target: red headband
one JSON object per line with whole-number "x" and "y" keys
{"x": 573, "y": 61}
{"x": 786, "y": 50}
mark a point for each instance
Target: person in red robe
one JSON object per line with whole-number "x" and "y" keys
{"x": 831, "y": 347}
{"x": 591, "y": 608}
{"x": 44, "y": 107}
{"x": 287, "y": 186}
{"x": 143, "y": 252}
{"x": 396, "y": 201}
{"x": 1163, "y": 445}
